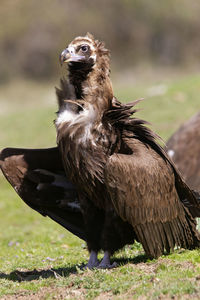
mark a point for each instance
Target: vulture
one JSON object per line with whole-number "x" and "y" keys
{"x": 117, "y": 165}
{"x": 184, "y": 149}
{"x": 108, "y": 181}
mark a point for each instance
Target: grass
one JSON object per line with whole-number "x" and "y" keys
{"x": 41, "y": 260}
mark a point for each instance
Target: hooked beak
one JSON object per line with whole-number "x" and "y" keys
{"x": 69, "y": 55}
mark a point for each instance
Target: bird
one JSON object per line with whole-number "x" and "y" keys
{"x": 123, "y": 177}
{"x": 108, "y": 182}
{"x": 184, "y": 149}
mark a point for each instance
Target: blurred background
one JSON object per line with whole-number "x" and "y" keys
{"x": 33, "y": 33}
{"x": 155, "y": 50}
{"x": 155, "y": 55}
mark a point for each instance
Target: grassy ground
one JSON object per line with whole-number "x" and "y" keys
{"x": 39, "y": 259}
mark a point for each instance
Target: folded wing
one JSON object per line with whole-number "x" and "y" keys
{"x": 142, "y": 188}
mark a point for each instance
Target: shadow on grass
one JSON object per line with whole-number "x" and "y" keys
{"x": 135, "y": 260}
{"x": 61, "y": 272}
{"x": 38, "y": 274}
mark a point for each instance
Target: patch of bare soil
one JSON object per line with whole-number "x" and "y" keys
{"x": 154, "y": 266}
{"x": 48, "y": 293}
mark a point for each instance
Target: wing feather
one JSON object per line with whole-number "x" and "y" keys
{"x": 35, "y": 174}
{"x": 142, "y": 190}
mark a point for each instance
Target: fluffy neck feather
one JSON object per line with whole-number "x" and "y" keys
{"x": 83, "y": 139}
{"x": 92, "y": 81}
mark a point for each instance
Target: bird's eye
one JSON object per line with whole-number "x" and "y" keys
{"x": 84, "y": 48}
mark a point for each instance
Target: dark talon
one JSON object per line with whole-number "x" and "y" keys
{"x": 93, "y": 261}
{"x": 107, "y": 266}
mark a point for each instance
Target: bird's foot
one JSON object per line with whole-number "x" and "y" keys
{"x": 107, "y": 266}
{"x": 93, "y": 261}
{"x": 105, "y": 263}
{"x": 91, "y": 266}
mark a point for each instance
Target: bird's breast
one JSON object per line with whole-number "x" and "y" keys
{"x": 84, "y": 142}
{"x": 83, "y": 128}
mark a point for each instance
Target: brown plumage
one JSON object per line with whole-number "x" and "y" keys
{"x": 184, "y": 149}
{"x": 37, "y": 175}
{"x": 126, "y": 185}
{"x": 116, "y": 164}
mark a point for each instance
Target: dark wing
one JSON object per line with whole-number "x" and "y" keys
{"x": 142, "y": 188}
{"x": 38, "y": 177}
{"x": 189, "y": 197}
{"x": 184, "y": 149}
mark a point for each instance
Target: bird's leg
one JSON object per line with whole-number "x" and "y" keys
{"x": 93, "y": 260}
{"x": 93, "y": 223}
{"x": 105, "y": 263}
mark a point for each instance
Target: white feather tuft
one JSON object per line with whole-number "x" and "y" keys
{"x": 85, "y": 119}
{"x": 171, "y": 152}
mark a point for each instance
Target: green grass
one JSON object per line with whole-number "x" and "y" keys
{"x": 38, "y": 258}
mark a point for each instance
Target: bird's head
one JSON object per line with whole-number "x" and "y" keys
{"x": 89, "y": 68}
{"x": 83, "y": 51}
